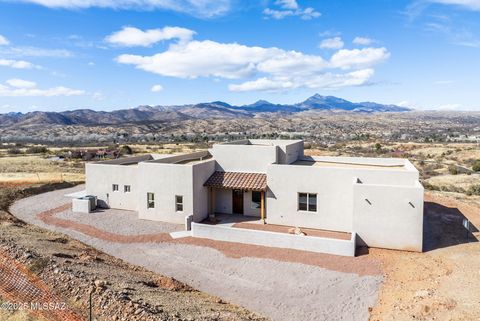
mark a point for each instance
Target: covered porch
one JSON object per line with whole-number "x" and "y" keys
{"x": 240, "y": 194}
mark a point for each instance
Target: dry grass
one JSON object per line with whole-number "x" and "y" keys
{"x": 459, "y": 181}
{"x": 22, "y": 170}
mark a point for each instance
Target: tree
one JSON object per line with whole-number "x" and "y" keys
{"x": 378, "y": 147}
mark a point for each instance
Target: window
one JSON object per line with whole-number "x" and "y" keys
{"x": 150, "y": 200}
{"x": 178, "y": 203}
{"x": 126, "y": 188}
{"x": 307, "y": 202}
{"x": 256, "y": 200}
{"x": 115, "y": 187}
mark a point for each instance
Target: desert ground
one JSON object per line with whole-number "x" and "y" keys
{"x": 442, "y": 283}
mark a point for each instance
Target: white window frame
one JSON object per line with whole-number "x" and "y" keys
{"x": 115, "y": 187}
{"x": 308, "y": 202}
{"x": 177, "y": 203}
{"x": 254, "y": 205}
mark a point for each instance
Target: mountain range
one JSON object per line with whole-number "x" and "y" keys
{"x": 216, "y": 109}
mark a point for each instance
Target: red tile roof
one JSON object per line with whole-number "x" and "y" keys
{"x": 236, "y": 180}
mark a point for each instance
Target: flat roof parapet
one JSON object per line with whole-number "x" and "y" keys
{"x": 132, "y": 160}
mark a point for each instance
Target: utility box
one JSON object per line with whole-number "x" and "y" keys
{"x": 84, "y": 204}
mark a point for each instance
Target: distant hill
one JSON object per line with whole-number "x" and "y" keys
{"x": 212, "y": 110}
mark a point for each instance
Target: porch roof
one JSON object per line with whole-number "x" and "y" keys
{"x": 237, "y": 180}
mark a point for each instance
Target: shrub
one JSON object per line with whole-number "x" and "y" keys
{"x": 126, "y": 150}
{"x": 14, "y": 151}
{"x": 37, "y": 150}
{"x": 452, "y": 169}
{"x": 474, "y": 190}
{"x": 476, "y": 166}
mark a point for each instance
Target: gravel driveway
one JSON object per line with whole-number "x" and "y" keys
{"x": 277, "y": 289}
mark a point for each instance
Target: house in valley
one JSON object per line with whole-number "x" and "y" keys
{"x": 377, "y": 202}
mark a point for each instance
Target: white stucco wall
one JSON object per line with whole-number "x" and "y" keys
{"x": 334, "y": 189}
{"x": 334, "y": 197}
{"x": 223, "y": 201}
{"x": 101, "y": 177}
{"x": 389, "y": 216}
{"x": 201, "y": 172}
{"x": 273, "y": 239}
{"x": 169, "y": 180}
{"x": 165, "y": 181}
{"x": 243, "y": 158}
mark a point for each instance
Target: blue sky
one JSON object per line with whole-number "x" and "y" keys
{"x": 105, "y": 54}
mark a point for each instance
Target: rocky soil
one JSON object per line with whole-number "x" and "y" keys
{"x": 120, "y": 291}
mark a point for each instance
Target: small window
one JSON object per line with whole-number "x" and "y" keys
{"x": 126, "y": 188}
{"x": 256, "y": 200}
{"x": 312, "y": 202}
{"x": 307, "y": 202}
{"x": 115, "y": 187}
{"x": 150, "y": 200}
{"x": 178, "y": 203}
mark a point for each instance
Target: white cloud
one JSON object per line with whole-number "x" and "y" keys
{"x": 3, "y": 41}
{"x": 203, "y": 59}
{"x": 358, "y": 58}
{"x": 35, "y": 52}
{"x": 274, "y": 68}
{"x": 363, "y": 41}
{"x": 91, "y": 63}
{"x": 156, "y": 88}
{"x": 200, "y": 8}
{"x": 20, "y": 83}
{"x": 325, "y": 81}
{"x": 467, "y": 4}
{"x": 288, "y": 8}
{"x": 24, "y": 88}
{"x": 130, "y": 36}
{"x": 17, "y": 64}
{"x": 287, "y": 4}
{"x": 332, "y": 43}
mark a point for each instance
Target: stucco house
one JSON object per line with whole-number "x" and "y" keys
{"x": 378, "y": 200}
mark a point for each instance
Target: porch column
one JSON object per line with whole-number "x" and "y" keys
{"x": 262, "y": 206}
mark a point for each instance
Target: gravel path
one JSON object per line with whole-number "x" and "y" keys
{"x": 277, "y": 289}
{"x": 121, "y": 222}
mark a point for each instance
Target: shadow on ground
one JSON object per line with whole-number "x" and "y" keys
{"x": 445, "y": 226}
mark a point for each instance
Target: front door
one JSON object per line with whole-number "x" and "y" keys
{"x": 237, "y": 201}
